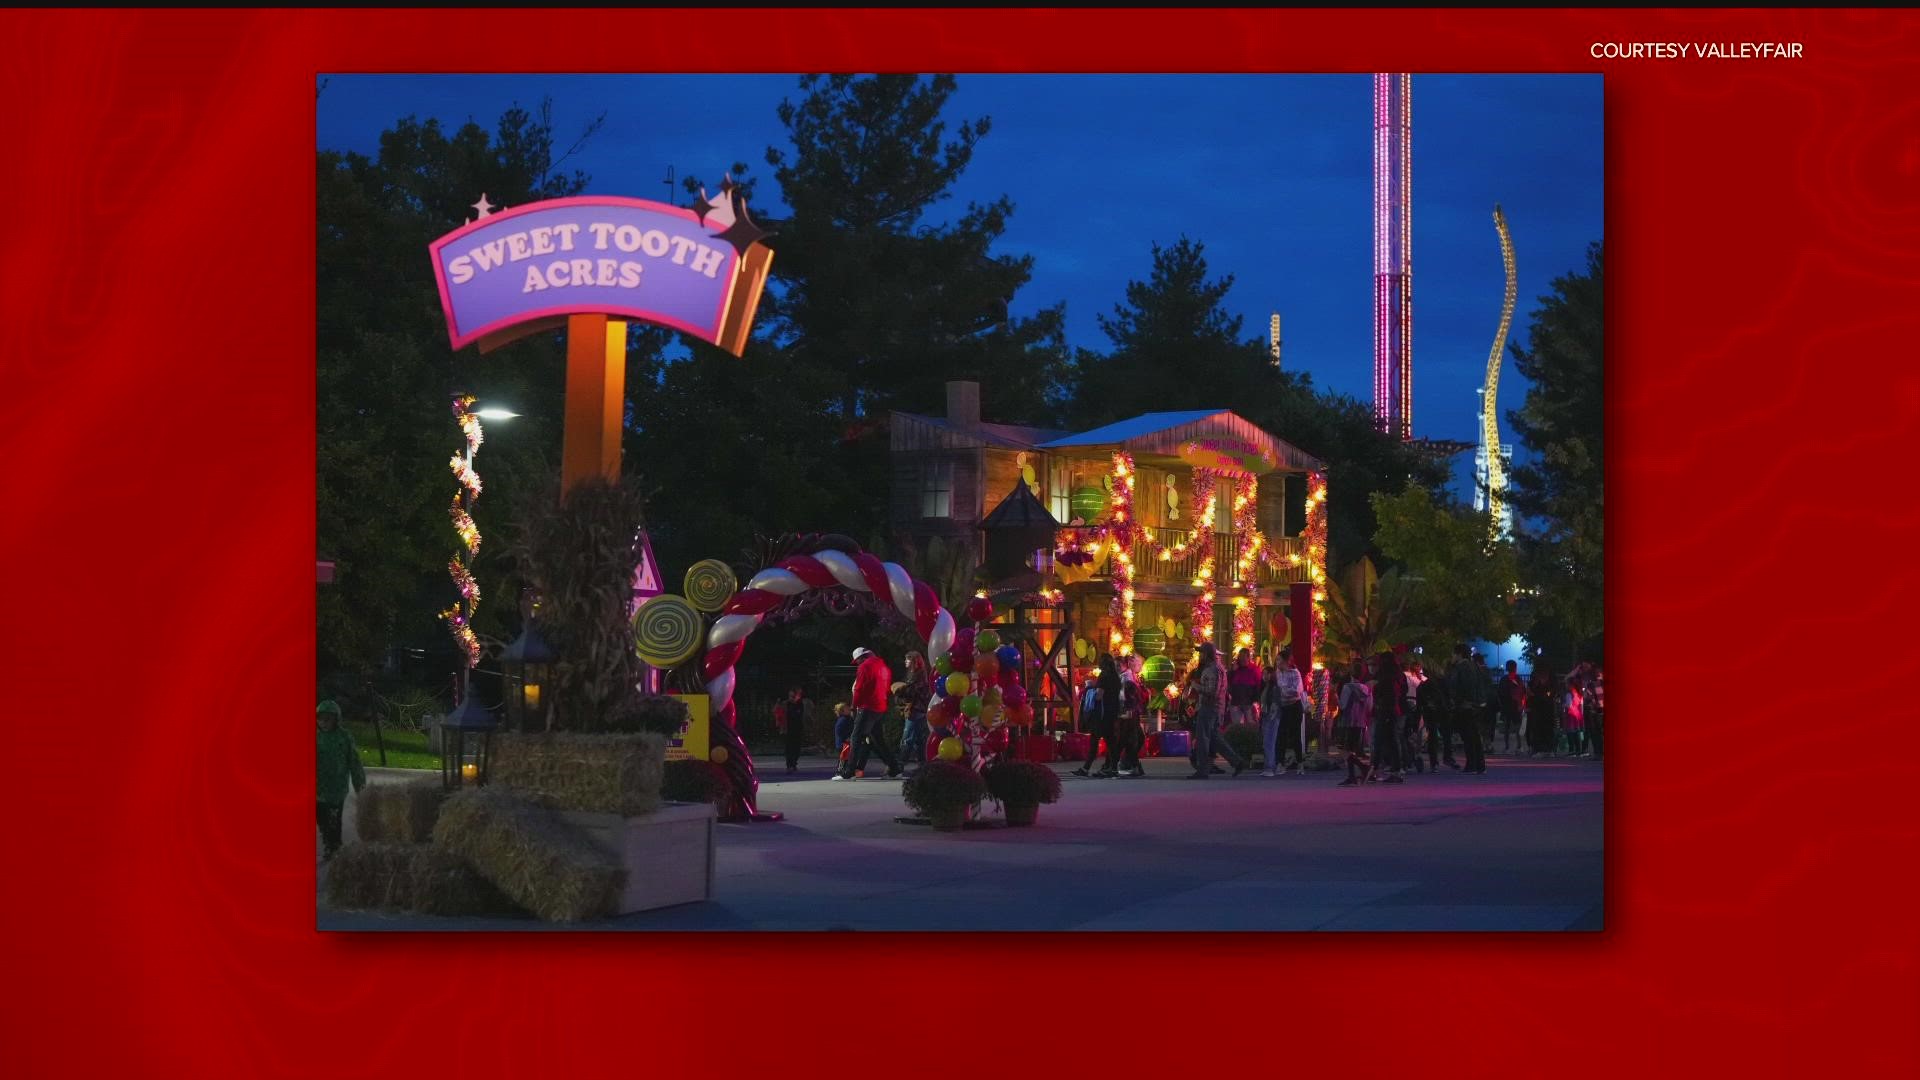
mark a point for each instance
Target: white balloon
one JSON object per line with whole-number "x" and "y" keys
{"x": 720, "y": 693}
{"x": 940, "y": 642}
{"x": 779, "y": 582}
{"x": 843, "y": 569}
{"x": 731, "y": 628}
{"x": 902, "y": 585}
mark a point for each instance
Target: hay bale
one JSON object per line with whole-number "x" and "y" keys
{"x": 409, "y": 877}
{"x": 537, "y": 860}
{"x": 586, "y": 773}
{"x": 403, "y": 812}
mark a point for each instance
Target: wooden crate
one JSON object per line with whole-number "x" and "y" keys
{"x": 668, "y": 854}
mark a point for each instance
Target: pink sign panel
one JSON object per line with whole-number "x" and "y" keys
{"x": 590, "y": 254}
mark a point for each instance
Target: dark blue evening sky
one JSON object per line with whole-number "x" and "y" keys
{"x": 1271, "y": 172}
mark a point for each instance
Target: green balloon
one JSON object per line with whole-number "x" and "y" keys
{"x": 970, "y": 704}
{"x": 1157, "y": 672}
{"x": 943, "y": 667}
{"x": 987, "y": 640}
{"x": 1088, "y": 504}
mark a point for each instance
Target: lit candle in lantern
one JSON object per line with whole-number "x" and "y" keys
{"x": 530, "y": 693}
{"x": 469, "y": 771}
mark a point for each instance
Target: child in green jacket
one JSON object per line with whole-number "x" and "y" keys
{"x": 339, "y": 765}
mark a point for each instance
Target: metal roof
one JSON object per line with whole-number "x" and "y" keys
{"x": 1162, "y": 433}
{"x": 1010, "y": 436}
{"x": 1137, "y": 427}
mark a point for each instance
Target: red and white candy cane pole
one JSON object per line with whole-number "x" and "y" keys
{"x": 798, "y": 574}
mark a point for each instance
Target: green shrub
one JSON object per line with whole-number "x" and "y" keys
{"x": 695, "y": 782}
{"x": 1245, "y": 740}
{"x": 1022, "y": 783}
{"x": 943, "y": 785}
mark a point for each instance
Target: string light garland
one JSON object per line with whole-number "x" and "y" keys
{"x": 1122, "y": 538}
{"x": 1207, "y": 499}
{"x": 459, "y": 617}
{"x": 1316, "y": 557}
{"x": 1122, "y": 527}
{"x": 1246, "y": 541}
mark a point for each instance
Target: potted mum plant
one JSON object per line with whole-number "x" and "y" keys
{"x": 944, "y": 792}
{"x": 1020, "y": 787}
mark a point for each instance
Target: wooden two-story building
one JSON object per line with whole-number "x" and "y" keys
{"x": 950, "y": 472}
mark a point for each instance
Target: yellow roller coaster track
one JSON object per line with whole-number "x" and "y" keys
{"x": 1489, "y": 407}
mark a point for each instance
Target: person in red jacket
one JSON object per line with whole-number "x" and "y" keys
{"x": 872, "y": 684}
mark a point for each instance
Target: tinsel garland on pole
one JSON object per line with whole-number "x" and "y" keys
{"x": 459, "y": 617}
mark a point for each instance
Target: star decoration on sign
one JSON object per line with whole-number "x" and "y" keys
{"x": 483, "y": 207}
{"x": 739, "y": 229}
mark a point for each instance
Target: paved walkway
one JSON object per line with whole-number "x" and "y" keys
{"x": 1517, "y": 849}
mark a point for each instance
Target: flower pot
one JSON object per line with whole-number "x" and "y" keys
{"x": 1022, "y": 813}
{"x": 948, "y": 818}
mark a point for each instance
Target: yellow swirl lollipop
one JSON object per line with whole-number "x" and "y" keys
{"x": 710, "y": 584}
{"x": 667, "y": 631}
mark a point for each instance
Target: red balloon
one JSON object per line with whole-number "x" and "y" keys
{"x": 996, "y": 740}
{"x": 962, "y": 654}
{"x": 979, "y": 609}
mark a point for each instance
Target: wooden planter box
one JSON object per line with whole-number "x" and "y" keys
{"x": 668, "y": 854}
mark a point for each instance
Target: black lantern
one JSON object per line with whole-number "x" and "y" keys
{"x": 1017, "y": 531}
{"x": 528, "y": 664}
{"x": 466, "y": 745}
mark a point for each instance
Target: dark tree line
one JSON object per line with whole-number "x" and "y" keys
{"x": 880, "y": 294}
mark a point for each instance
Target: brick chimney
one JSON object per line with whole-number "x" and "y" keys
{"x": 963, "y": 404}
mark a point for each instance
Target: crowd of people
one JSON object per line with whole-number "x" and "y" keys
{"x": 1392, "y": 715}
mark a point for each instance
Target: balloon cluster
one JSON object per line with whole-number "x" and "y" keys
{"x": 978, "y": 692}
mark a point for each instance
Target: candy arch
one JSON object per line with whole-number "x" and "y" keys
{"x": 792, "y": 577}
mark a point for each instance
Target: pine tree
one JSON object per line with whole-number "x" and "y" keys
{"x": 870, "y": 285}
{"x": 1558, "y": 492}
{"x": 386, "y": 373}
{"x": 1174, "y": 347}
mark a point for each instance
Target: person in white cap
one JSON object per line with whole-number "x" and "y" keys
{"x": 871, "y": 688}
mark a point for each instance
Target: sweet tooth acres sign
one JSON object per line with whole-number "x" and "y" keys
{"x": 591, "y": 263}
{"x": 606, "y": 255}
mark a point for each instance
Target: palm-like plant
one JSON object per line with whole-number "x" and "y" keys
{"x": 1376, "y": 621}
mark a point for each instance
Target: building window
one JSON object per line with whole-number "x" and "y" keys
{"x": 936, "y": 489}
{"x": 1059, "y": 490}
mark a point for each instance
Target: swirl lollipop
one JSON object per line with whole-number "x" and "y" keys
{"x": 667, "y": 631}
{"x": 710, "y": 584}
